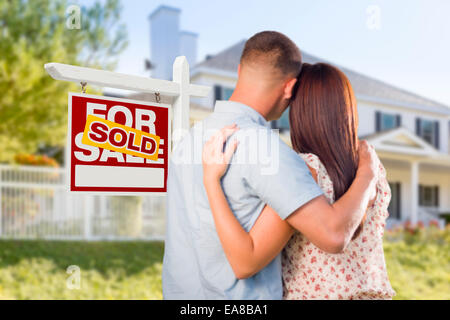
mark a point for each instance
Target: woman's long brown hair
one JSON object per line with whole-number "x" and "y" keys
{"x": 324, "y": 121}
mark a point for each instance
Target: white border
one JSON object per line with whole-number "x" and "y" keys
{"x": 68, "y": 156}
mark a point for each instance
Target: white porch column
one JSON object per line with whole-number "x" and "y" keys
{"x": 414, "y": 191}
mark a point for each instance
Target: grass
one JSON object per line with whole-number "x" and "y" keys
{"x": 109, "y": 270}
{"x": 418, "y": 263}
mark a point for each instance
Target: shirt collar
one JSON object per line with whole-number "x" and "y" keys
{"x": 240, "y": 108}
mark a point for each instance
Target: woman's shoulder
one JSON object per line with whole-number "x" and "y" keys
{"x": 323, "y": 179}
{"x": 312, "y": 160}
{"x": 383, "y": 189}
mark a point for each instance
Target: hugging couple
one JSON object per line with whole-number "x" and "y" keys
{"x": 312, "y": 228}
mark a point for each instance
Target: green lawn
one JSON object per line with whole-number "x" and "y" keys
{"x": 419, "y": 264}
{"x": 109, "y": 270}
{"x": 419, "y": 268}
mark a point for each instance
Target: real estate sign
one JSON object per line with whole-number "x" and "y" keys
{"x": 117, "y": 146}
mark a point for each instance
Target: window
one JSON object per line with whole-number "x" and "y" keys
{"x": 428, "y": 196}
{"x": 428, "y": 130}
{"x": 387, "y": 121}
{"x": 226, "y": 93}
{"x": 222, "y": 93}
{"x": 395, "y": 205}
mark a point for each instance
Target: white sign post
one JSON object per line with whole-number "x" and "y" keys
{"x": 178, "y": 91}
{"x": 176, "y": 95}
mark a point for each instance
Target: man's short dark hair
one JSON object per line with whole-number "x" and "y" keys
{"x": 275, "y": 48}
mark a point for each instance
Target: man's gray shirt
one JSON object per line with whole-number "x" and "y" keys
{"x": 264, "y": 170}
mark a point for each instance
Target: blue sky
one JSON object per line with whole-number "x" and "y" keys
{"x": 410, "y": 49}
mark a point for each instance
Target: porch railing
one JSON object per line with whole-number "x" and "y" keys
{"x": 427, "y": 214}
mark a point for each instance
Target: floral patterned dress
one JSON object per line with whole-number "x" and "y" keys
{"x": 359, "y": 272}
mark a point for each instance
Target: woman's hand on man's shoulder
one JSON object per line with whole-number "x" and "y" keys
{"x": 369, "y": 163}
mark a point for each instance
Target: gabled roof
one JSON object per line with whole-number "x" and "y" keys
{"x": 366, "y": 88}
{"x": 226, "y": 60}
{"x": 401, "y": 140}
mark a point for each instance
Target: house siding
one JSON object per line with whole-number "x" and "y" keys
{"x": 367, "y": 120}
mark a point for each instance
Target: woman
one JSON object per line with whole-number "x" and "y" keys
{"x": 323, "y": 119}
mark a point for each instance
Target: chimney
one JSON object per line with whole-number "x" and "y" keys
{"x": 164, "y": 40}
{"x": 167, "y": 41}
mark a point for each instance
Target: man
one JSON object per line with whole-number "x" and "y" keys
{"x": 195, "y": 266}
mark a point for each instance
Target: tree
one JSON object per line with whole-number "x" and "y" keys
{"x": 33, "y": 106}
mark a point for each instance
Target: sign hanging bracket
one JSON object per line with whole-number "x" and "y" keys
{"x": 83, "y": 86}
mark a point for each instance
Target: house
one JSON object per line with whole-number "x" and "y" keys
{"x": 410, "y": 133}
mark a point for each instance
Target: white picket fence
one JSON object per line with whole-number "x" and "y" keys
{"x": 34, "y": 204}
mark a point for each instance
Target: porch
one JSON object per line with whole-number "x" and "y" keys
{"x": 419, "y": 176}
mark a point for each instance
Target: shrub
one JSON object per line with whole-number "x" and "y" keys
{"x": 35, "y": 160}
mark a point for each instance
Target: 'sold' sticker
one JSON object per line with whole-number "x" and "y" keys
{"x": 113, "y": 136}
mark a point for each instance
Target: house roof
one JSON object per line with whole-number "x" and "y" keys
{"x": 391, "y": 134}
{"x": 365, "y": 87}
